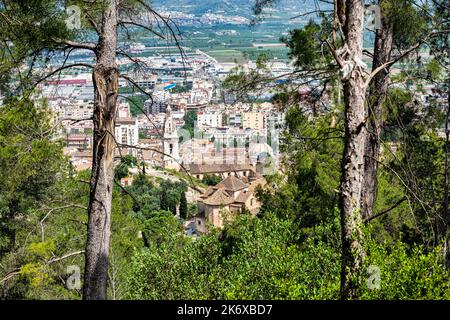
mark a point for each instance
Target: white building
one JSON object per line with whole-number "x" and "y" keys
{"x": 275, "y": 120}
{"x": 234, "y": 119}
{"x": 209, "y": 119}
{"x": 127, "y": 133}
{"x": 253, "y": 120}
{"x": 171, "y": 157}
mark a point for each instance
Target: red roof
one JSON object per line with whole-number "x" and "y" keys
{"x": 67, "y": 82}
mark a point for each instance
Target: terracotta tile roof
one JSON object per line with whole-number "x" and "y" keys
{"x": 125, "y": 121}
{"x": 151, "y": 155}
{"x": 259, "y": 182}
{"x": 243, "y": 197}
{"x": 231, "y": 183}
{"x": 149, "y": 141}
{"x": 83, "y": 166}
{"x": 208, "y": 192}
{"x": 216, "y": 168}
{"x": 219, "y": 198}
{"x": 78, "y": 136}
{"x": 82, "y": 154}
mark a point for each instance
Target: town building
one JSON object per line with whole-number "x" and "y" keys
{"x": 127, "y": 133}
{"x": 243, "y": 171}
{"x": 171, "y": 157}
{"x": 209, "y": 119}
{"x": 79, "y": 141}
{"x": 253, "y": 120}
{"x": 227, "y": 199}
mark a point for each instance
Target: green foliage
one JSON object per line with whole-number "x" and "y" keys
{"x": 306, "y": 47}
{"x": 151, "y": 197}
{"x": 180, "y": 89}
{"x": 397, "y": 224}
{"x": 409, "y": 22}
{"x": 63, "y": 232}
{"x": 267, "y": 259}
{"x": 173, "y": 209}
{"x": 262, "y": 60}
{"x": 407, "y": 274}
{"x": 125, "y": 230}
{"x": 35, "y": 274}
{"x": 33, "y": 30}
{"x": 146, "y": 194}
{"x": 252, "y": 259}
{"x": 211, "y": 179}
{"x": 27, "y": 175}
{"x": 315, "y": 149}
{"x": 160, "y": 226}
{"x": 416, "y": 166}
{"x": 183, "y": 206}
{"x": 190, "y": 118}
{"x": 136, "y": 104}
{"x": 164, "y": 202}
{"x": 122, "y": 169}
{"x": 42, "y": 249}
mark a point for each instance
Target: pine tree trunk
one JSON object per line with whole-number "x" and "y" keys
{"x": 105, "y": 78}
{"x": 446, "y": 181}
{"x": 376, "y": 98}
{"x": 353, "y": 158}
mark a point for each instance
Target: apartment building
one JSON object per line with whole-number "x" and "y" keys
{"x": 253, "y": 120}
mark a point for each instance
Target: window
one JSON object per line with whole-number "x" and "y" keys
{"x": 170, "y": 148}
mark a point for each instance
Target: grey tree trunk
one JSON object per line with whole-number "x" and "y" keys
{"x": 446, "y": 181}
{"x": 353, "y": 157}
{"x": 105, "y": 78}
{"x": 376, "y": 98}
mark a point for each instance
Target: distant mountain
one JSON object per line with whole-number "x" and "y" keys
{"x": 228, "y": 7}
{"x": 199, "y": 7}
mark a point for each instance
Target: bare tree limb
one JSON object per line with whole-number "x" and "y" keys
{"x": 402, "y": 55}
{"x": 41, "y": 222}
{"x": 368, "y": 219}
{"x": 51, "y": 261}
{"x": 64, "y": 257}
{"x": 77, "y": 45}
{"x": 121, "y": 23}
{"x": 63, "y": 68}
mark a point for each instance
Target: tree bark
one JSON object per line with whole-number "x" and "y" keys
{"x": 353, "y": 157}
{"x": 340, "y": 11}
{"x": 376, "y": 98}
{"x": 446, "y": 181}
{"x": 105, "y": 78}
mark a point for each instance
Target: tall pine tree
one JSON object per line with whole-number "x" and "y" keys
{"x": 32, "y": 31}
{"x": 183, "y": 206}
{"x": 164, "y": 201}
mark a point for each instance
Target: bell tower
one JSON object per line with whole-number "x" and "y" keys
{"x": 171, "y": 155}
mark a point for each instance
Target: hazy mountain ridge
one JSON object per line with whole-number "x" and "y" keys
{"x": 230, "y": 7}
